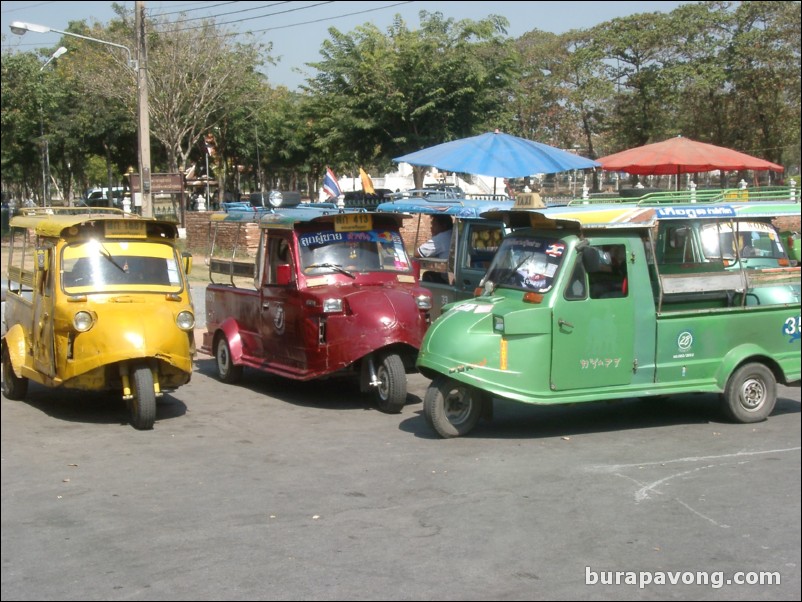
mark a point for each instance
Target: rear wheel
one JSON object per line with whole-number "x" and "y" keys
{"x": 750, "y": 394}
{"x": 227, "y": 371}
{"x": 14, "y": 387}
{"x": 452, "y": 408}
{"x": 391, "y": 392}
{"x": 143, "y": 404}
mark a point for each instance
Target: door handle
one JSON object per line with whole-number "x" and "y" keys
{"x": 562, "y": 322}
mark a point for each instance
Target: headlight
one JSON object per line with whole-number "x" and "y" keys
{"x": 331, "y": 306}
{"x": 423, "y": 301}
{"x": 83, "y": 321}
{"x": 276, "y": 198}
{"x": 498, "y": 324}
{"x": 185, "y": 320}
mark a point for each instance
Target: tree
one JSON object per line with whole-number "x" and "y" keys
{"x": 378, "y": 96}
{"x": 20, "y": 118}
{"x": 763, "y": 57}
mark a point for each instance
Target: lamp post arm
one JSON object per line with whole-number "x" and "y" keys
{"x": 132, "y": 63}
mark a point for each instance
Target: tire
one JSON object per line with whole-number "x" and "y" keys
{"x": 14, "y": 387}
{"x": 391, "y": 393}
{"x": 227, "y": 371}
{"x": 750, "y": 394}
{"x": 143, "y": 405}
{"x": 451, "y": 408}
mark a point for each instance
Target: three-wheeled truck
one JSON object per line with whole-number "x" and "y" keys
{"x": 473, "y": 243}
{"x": 305, "y": 293}
{"x": 583, "y": 304}
{"x": 97, "y": 300}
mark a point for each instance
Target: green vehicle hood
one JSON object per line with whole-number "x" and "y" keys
{"x": 464, "y": 334}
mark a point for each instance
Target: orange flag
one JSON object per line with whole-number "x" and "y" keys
{"x": 367, "y": 183}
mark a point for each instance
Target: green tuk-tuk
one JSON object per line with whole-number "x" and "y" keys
{"x": 585, "y": 304}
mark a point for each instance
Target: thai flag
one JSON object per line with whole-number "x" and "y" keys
{"x": 330, "y": 185}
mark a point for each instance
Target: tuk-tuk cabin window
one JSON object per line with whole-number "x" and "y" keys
{"x": 22, "y": 262}
{"x": 527, "y": 263}
{"x": 676, "y": 245}
{"x": 578, "y": 284}
{"x": 279, "y": 261}
{"x": 749, "y": 239}
{"x": 483, "y": 243}
{"x": 329, "y": 252}
{"x": 112, "y": 266}
{"x": 606, "y": 266}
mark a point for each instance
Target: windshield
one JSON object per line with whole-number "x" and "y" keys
{"x": 119, "y": 266}
{"x": 353, "y": 252}
{"x": 754, "y": 239}
{"x": 526, "y": 263}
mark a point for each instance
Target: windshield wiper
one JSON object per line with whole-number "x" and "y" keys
{"x": 107, "y": 255}
{"x": 332, "y": 266}
{"x": 509, "y": 272}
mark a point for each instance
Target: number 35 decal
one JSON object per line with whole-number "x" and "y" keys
{"x": 792, "y": 328}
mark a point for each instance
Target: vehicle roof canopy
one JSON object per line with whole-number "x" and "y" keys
{"x": 637, "y": 215}
{"x": 57, "y": 221}
{"x": 461, "y": 208}
{"x": 290, "y": 217}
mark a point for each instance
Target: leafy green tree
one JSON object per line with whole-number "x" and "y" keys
{"x": 763, "y": 58}
{"x": 634, "y": 49}
{"x": 535, "y": 108}
{"x": 21, "y": 120}
{"x": 378, "y": 96}
{"x": 718, "y": 71}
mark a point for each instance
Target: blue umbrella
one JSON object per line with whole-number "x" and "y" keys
{"x": 497, "y": 155}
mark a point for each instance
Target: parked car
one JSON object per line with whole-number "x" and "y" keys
{"x": 99, "y": 197}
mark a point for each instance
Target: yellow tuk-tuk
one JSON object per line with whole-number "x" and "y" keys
{"x": 97, "y": 300}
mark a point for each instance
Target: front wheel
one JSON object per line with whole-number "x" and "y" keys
{"x": 14, "y": 387}
{"x": 452, "y": 408}
{"x": 750, "y": 394}
{"x": 391, "y": 392}
{"x": 227, "y": 371}
{"x": 143, "y": 404}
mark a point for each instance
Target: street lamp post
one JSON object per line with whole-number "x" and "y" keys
{"x": 143, "y": 125}
{"x": 46, "y": 154}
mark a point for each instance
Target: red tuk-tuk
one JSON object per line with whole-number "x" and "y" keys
{"x": 314, "y": 293}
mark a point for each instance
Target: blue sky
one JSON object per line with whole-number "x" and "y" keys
{"x": 297, "y": 29}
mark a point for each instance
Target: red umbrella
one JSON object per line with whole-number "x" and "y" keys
{"x": 682, "y": 155}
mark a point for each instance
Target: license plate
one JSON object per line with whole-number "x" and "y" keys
{"x": 353, "y": 222}
{"x": 126, "y": 229}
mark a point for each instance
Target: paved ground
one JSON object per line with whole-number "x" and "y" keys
{"x": 278, "y": 490}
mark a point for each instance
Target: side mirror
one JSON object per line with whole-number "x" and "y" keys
{"x": 42, "y": 259}
{"x": 595, "y": 260}
{"x": 791, "y": 242}
{"x": 42, "y": 265}
{"x": 283, "y": 274}
{"x": 187, "y": 259}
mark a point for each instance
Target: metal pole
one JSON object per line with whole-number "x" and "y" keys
{"x": 47, "y": 173}
{"x": 207, "y": 176}
{"x": 46, "y": 154}
{"x": 143, "y": 121}
{"x": 41, "y": 150}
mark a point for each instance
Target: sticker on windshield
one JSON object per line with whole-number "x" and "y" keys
{"x": 555, "y": 250}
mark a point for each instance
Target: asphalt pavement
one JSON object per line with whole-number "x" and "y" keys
{"x": 277, "y": 490}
